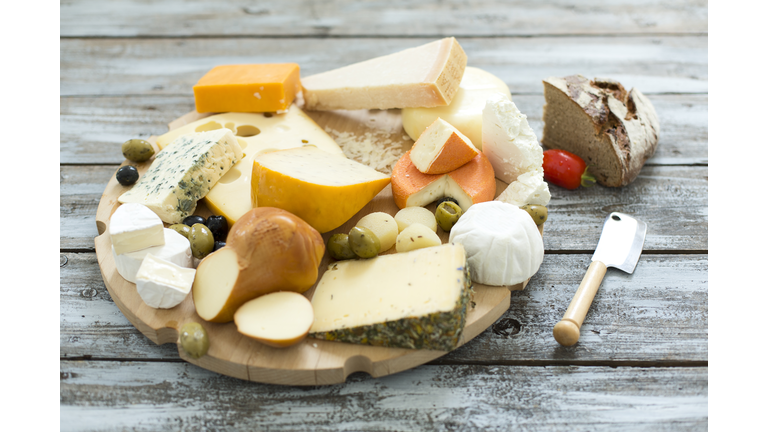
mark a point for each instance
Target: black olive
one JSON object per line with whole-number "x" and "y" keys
{"x": 218, "y": 245}
{"x": 193, "y": 219}
{"x": 127, "y": 175}
{"x": 444, "y": 199}
{"x": 218, "y": 226}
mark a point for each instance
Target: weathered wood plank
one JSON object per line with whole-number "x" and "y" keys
{"x": 398, "y": 18}
{"x": 662, "y": 319}
{"x": 180, "y": 396}
{"x": 173, "y": 66}
{"x": 671, "y": 199}
{"x": 92, "y": 129}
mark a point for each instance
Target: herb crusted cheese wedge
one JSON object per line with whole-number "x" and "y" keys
{"x": 414, "y": 300}
{"x": 183, "y": 172}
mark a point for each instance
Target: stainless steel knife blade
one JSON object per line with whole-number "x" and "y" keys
{"x": 621, "y": 242}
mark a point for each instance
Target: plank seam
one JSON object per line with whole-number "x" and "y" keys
{"x": 146, "y": 95}
{"x": 422, "y": 36}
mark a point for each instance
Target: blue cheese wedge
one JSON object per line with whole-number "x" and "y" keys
{"x": 416, "y": 299}
{"x": 184, "y": 172}
{"x": 162, "y": 284}
{"x": 133, "y": 227}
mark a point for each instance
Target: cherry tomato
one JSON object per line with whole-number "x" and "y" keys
{"x": 567, "y": 170}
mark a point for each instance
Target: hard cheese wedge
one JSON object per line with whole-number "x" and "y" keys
{"x": 415, "y": 300}
{"x": 183, "y": 172}
{"x": 247, "y": 88}
{"x": 472, "y": 183}
{"x": 256, "y": 133}
{"x": 424, "y": 76}
{"x": 466, "y": 109}
{"x": 323, "y": 189}
{"x": 442, "y": 148}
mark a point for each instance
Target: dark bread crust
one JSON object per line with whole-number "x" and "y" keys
{"x": 614, "y": 130}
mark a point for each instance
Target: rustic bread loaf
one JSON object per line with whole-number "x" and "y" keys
{"x": 614, "y": 130}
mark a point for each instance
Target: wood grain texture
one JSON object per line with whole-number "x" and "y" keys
{"x": 657, "y": 316}
{"x": 179, "y": 396}
{"x": 131, "y": 18}
{"x": 172, "y": 66}
{"x": 92, "y": 128}
{"x": 672, "y": 200}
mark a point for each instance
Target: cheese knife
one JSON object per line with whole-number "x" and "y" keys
{"x": 620, "y": 245}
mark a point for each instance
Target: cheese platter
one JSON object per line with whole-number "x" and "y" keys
{"x": 286, "y": 246}
{"x": 313, "y": 361}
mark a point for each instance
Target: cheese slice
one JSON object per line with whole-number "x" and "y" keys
{"x": 256, "y": 133}
{"x": 183, "y": 172}
{"x": 416, "y": 299}
{"x": 247, "y": 88}
{"x": 323, "y": 189}
{"x": 163, "y": 284}
{"x": 425, "y": 76}
{"x": 134, "y": 227}
{"x": 442, "y": 148}
{"x": 472, "y": 183}
{"x": 508, "y": 140}
{"x": 465, "y": 111}
{"x": 176, "y": 250}
{"x": 529, "y": 188}
{"x": 503, "y": 244}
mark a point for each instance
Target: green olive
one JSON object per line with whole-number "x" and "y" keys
{"x": 182, "y": 229}
{"x": 200, "y": 240}
{"x": 447, "y": 214}
{"x": 194, "y": 340}
{"x": 338, "y": 247}
{"x": 364, "y": 242}
{"x": 539, "y": 213}
{"x": 137, "y": 150}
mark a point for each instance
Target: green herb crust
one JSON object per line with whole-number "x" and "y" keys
{"x": 438, "y": 331}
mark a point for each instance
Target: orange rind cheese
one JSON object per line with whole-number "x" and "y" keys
{"x": 248, "y": 88}
{"x": 442, "y": 149}
{"x": 471, "y": 183}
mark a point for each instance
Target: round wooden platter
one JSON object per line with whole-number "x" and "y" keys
{"x": 312, "y": 361}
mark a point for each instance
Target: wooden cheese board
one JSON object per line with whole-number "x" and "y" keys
{"x": 312, "y": 361}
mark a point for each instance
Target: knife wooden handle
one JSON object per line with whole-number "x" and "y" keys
{"x": 568, "y": 330}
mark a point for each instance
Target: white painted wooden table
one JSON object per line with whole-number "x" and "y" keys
{"x": 127, "y": 68}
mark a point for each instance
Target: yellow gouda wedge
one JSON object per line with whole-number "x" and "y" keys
{"x": 323, "y": 189}
{"x": 247, "y": 88}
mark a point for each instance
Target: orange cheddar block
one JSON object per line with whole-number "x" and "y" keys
{"x": 441, "y": 149}
{"x": 247, "y": 88}
{"x": 472, "y": 183}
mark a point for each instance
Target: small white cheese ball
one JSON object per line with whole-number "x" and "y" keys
{"x": 383, "y": 225}
{"x": 410, "y": 215}
{"x": 503, "y": 244}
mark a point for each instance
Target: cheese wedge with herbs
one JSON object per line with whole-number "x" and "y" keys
{"x": 323, "y": 189}
{"x": 425, "y": 76}
{"x": 256, "y": 133}
{"x": 416, "y": 300}
{"x": 247, "y": 88}
{"x": 183, "y": 172}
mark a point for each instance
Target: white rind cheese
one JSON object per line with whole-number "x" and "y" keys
{"x": 503, "y": 244}
{"x": 134, "y": 227}
{"x": 163, "y": 284}
{"x": 183, "y": 172}
{"x": 529, "y": 188}
{"x": 176, "y": 250}
{"x": 508, "y": 140}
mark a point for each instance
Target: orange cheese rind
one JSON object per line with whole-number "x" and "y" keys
{"x": 471, "y": 183}
{"x": 441, "y": 149}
